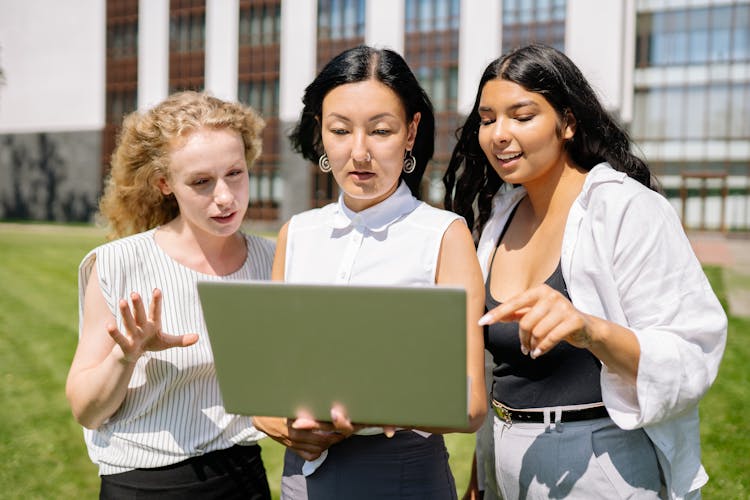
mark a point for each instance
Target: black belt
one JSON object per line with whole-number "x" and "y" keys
{"x": 537, "y": 415}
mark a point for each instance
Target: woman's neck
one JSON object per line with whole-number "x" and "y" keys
{"x": 205, "y": 253}
{"x": 554, "y": 194}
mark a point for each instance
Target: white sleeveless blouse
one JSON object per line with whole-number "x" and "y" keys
{"x": 396, "y": 242}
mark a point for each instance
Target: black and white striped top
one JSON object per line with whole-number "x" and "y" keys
{"x": 173, "y": 408}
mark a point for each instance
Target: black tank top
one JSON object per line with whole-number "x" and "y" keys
{"x": 566, "y": 375}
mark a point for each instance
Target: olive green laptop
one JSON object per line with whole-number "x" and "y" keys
{"x": 390, "y": 355}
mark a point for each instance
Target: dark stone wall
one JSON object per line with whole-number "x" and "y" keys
{"x": 50, "y": 176}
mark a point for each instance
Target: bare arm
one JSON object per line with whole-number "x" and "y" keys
{"x": 458, "y": 265}
{"x": 105, "y": 357}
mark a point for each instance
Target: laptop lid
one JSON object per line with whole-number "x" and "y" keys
{"x": 390, "y": 355}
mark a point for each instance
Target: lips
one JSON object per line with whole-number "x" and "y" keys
{"x": 505, "y": 157}
{"x": 224, "y": 218}
{"x": 362, "y": 175}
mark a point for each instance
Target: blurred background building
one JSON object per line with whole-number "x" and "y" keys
{"x": 675, "y": 72}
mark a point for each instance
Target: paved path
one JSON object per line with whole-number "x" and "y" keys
{"x": 732, "y": 253}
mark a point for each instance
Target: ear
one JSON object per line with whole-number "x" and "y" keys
{"x": 411, "y": 136}
{"x": 163, "y": 186}
{"x": 569, "y": 126}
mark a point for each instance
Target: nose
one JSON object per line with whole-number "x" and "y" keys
{"x": 222, "y": 194}
{"x": 500, "y": 133}
{"x": 360, "y": 153}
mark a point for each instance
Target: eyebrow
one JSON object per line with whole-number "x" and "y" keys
{"x": 512, "y": 107}
{"x": 372, "y": 119}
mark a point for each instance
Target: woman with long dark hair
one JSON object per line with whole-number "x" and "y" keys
{"x": 604, "y": 331}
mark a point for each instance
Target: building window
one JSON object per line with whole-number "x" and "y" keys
{"x": 432, "y": 53}
{"x": 258, "y": 86}
{"x": 706, "y": 35}
{"x": 702, "y": 112}
{"x": 533, "y": 21}
{"x": 431, "y": 15}
{"x": 187, "y": 44}
{"x": 121, "y": 81}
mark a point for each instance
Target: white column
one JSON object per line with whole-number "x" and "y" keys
{"x": 605, "y": 53}
{"x": 628, "y": 61}
{"x": 222, "y": 48}
{"x": 384, "y": 24}
{"x": 478, "y": 44}
{"x": 299, "y": 32}
{"x": 153, "y": 52}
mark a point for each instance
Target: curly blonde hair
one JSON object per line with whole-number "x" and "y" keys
{"x": 132, "y": 201}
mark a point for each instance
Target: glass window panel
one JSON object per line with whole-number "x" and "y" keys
{"x": 455, "y": 13}
{"x": 441, "y": 15}
{"x": 361, "y": 18}
{"x": 558, "y": 10}
{"x": 439, "y": 90}
{"x": 411, "y": 23}
{"x": 350, "y": 18}
{"x": 718, "y": 111}
{"x": 654, "y": 123}
{"x": 699, "y": 47}
{"x": 680, "y": 48}
{"x": 674, "y": 113}
{"x": 740, "y": 109}
{"x": 741, "y": 33}
{"x": 425, "y": 15}
{"x": 721, "y": 34}
{"x": 336, "y": 29}
{"x": 256, "y": 28}
{"x": 695, "y": 107}
{"x": 267, "y": 26}
{"x": 639, "y": 115}
{"x": 543, "y": 11}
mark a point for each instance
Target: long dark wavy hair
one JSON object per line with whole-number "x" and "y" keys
{"x": 471, "y": 181}
{"x": 356, "y": 65}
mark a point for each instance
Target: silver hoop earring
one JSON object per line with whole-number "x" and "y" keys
{"x": 324, "y": 164}
{"x": 410, "y": 163}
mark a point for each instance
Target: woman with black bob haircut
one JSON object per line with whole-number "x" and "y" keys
{"x": 360, "y": 64}
{"x": 603, "y": 328}
{"x": 367, "y": 121}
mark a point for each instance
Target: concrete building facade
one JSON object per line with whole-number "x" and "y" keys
{"x": 675, "y": 72}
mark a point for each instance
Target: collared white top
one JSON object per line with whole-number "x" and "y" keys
{"x": 396, "y": 242}
{"x": 173, "y": 409}
{"x": 626, "y": 258}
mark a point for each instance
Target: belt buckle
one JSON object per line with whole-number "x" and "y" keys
{"x": 503, "y": 414}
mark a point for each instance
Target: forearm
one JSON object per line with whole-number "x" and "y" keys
{"x": 615, "y": 346}
{"x": 95, "y": 393}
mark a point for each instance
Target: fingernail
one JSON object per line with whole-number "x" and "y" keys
{"x": 485, "y": 320}
{"x": 524, "y": 350}
{"x": 335, "y": 415}
{"x": 536, "y": 353}
{"x": 389, "y": 433}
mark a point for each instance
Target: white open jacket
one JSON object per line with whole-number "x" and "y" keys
{"x": 626, "y": 258}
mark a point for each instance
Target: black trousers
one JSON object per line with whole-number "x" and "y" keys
{"x": 234, "y": 473}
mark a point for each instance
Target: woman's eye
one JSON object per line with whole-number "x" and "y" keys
{"x": 339, "y": 131}
{"x": 198, "y": 182}
{"x": 486, "y": 121}
{"x": 381, "y": 131}
{"x": 524, "y": 118}
{"x": 235, "y": 173}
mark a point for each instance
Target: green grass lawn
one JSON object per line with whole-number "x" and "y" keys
{"x": 42, "y": 446}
